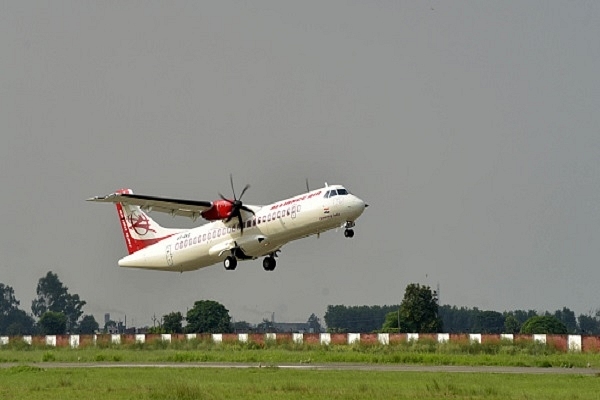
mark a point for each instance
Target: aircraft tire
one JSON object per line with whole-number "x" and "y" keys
{"x": 230, "y": 263}
{"x": 349, "y": 233}
{"x": 269, "y": 263}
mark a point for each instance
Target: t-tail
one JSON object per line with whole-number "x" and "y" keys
{"x": 139, "y": 229}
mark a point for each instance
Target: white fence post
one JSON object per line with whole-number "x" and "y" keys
{"x": 383, "y": 338}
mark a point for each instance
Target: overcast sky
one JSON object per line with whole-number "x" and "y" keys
{"x": 471, "y": 128}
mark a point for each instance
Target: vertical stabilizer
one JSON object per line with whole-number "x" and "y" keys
{"x": 138, "y": 228}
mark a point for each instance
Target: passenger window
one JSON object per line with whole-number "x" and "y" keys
{"x": 278, "y": 214}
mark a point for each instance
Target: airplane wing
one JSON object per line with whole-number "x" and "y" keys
{"x": 174, "y": 207}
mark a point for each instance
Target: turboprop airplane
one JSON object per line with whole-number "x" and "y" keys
{"x": 235, "y": 232}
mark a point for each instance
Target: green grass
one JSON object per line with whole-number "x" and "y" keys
{"x": 26, "y": 382}
{"x": 422, "y": 352}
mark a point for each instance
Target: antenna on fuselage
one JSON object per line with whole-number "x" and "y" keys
{"x": 307, "y": 188}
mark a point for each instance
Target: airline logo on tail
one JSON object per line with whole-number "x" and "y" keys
{"x": 140, "y": 223}
{"x": 139, "y": 229}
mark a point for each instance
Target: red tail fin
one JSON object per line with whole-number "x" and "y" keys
{"x": 139, "y": 229}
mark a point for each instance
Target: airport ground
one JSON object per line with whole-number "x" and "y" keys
{"x": 209, "y": 371}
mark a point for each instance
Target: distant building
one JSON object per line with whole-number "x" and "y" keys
{"x": 291, "y": 327}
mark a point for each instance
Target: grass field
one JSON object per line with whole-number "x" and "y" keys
{"x": 26, "y": 382}
{"x": 32, "y": 377}
{"x": 422, "y": 352}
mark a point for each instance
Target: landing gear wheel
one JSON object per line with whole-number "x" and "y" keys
{"x": 269, "y": 263}
{"x": 349, "y": 233}
{"x": 230, "y": 263}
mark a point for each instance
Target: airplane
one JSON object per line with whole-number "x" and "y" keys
{"x": 235, "y": 231}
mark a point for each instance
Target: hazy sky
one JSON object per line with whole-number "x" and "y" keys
{"x": 471, "y": 128}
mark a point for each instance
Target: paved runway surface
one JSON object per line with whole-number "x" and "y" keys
{"x": 340, "y": 367}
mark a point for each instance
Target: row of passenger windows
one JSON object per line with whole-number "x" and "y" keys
{"x": 291, "y": 211}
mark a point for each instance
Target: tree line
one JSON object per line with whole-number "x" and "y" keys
{"x": 54, "y": 311}
{"x": 420, "y": 312}
{"x": 57, "y": 311}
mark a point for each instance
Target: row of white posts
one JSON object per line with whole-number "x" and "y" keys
{"x": 574, "y": 341}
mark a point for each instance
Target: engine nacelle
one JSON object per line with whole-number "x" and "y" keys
{"x": 220, "y": 210}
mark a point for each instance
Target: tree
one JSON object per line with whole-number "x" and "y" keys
{"x": 314, "y": 324}
{"x": 543, "y": 324}
{"x": 588, "y": 325}
{"x": 52, "y": 295}
{"x": 208, "y": 316}
{"x": 567, "y": 317}
{"x": 8, "y": 301}
{"x": 13, "y": 321}
{"x": 88, "y": 325}
{"x": 456, "y": 319}
{"x": 522, "y": 315}
{"x": 419, "y": 310}
{"x": 511, "y": 324}
{"x": 53, "y": 323}
{"x": 356, "y": 319}
{"x": 489, "y": 322}
{"x": 172, "y": 322}
{"x": 391, "y": 322}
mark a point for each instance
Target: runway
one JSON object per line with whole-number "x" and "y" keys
{"x": 329, "y": 367}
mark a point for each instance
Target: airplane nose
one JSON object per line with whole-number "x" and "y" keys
{"x": 362, "y": 203}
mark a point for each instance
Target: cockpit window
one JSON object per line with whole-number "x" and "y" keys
{"x": 336, "y": 192}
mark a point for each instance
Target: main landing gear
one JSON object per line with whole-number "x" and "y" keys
{"x": 269, "y": 263}
{"x": 349, "y": 232}
{"x": 230, "y": 263}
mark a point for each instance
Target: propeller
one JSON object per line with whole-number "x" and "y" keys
{"x": 237, "y": 205}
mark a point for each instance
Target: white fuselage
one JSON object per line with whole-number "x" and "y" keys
{"x": 268, "y": 230}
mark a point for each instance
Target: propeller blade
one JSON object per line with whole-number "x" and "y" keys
{"x": 232, "y": 188}
{"x": 248, "y": 209}
{"x": 244, "y": 191}
{"x": 241, "y": 224}
{"x": 226, "y": 199}
{"x": 237, "y": 205}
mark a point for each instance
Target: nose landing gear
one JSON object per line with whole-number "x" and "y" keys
{"x": 349, "y": 232}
